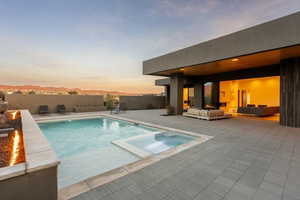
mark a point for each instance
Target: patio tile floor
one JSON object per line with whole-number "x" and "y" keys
{"x": 246, "y": 159}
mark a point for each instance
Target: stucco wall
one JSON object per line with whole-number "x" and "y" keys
{"x": 32, "y": 102}
{"x": 40, "y": 184}
{"x": 142, "y": 102}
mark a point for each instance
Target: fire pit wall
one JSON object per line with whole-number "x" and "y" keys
{"x": 29, "y": 167}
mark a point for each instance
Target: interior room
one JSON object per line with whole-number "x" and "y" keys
{"x": 258, "y": 97}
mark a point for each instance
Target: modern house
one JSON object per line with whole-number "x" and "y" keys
{"x": 256, "y": 67}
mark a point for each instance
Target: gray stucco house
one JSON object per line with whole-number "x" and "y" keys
{"x": 214, "y": 73}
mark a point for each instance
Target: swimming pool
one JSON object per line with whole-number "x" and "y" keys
{"x": 85, "y": 146}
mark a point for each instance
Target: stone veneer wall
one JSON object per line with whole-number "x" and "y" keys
{"x": 32, "y": 102}
{"x": 290, "y": 92}
{"x": 142, "y": 102}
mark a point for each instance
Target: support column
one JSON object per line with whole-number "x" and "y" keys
{"x": 290, "y": 92}
{"x": 198, "y": 93}
{"x": 167, "y": 95}
{"x": 176, "y": 93}
{"x": 215, "y": 94}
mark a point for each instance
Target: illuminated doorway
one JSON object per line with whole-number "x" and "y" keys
{"x": 251, "y": 97}
{"x": 188, "y": 98}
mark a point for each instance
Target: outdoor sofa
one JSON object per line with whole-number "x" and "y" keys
{"x": 206, "y": 114}
{"x": 259, "y": 111}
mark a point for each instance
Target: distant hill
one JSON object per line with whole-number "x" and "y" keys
{"x": 60, "y": 90}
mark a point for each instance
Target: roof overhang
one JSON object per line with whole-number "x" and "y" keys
{"x": 259, "y": 46}
{"x": 162, "y": 82}
{"x": 167, "y": 81}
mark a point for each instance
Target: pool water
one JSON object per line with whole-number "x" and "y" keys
{"x": 160, "y": 142}
{"x": 85, "y": 147}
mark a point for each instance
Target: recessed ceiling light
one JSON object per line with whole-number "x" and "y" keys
{"x": 235, "y": 60}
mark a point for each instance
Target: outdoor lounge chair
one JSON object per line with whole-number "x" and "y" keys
{"x": 61, "y": 108}
{"x": 206, "y": 114}
{"x": 43, "y": 109}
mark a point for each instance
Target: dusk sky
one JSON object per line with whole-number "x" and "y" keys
{"x": 100, "y": 44}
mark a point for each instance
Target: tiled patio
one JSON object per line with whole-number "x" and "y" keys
{"x": 247, "y": 159}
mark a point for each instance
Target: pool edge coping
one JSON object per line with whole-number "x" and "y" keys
{"x": 124, "y": 144}
{"x": 114, "y": 174}
{"x": 91, "y": 116}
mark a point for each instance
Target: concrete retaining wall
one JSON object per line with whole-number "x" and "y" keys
{"x": 80, "y": 103}
{"x": 32, "y": 102}
{"x": 40, "y": 184}
{"x": 142, "y": 102}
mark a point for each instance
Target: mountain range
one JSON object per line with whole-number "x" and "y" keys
{"x": 60, "y": 90}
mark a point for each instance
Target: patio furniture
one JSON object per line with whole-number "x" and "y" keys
{"x": 206, "y": 114}
{"x": 61, "y": 108}
{"x": 43, "y": 109}
{"x": 260, "y": 111}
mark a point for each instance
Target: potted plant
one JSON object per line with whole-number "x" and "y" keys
{"x": 3, "y": 103}
{"x": 170, "y": 110}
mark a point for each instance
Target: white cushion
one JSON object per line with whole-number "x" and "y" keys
{"x": 211, "y": 113}
{"x": 215, "y": 113}
{"x": 193, "y": 111}
{"x": 204, "y": 113}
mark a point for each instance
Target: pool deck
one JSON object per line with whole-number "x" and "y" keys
{"x": 246, "y": 159}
